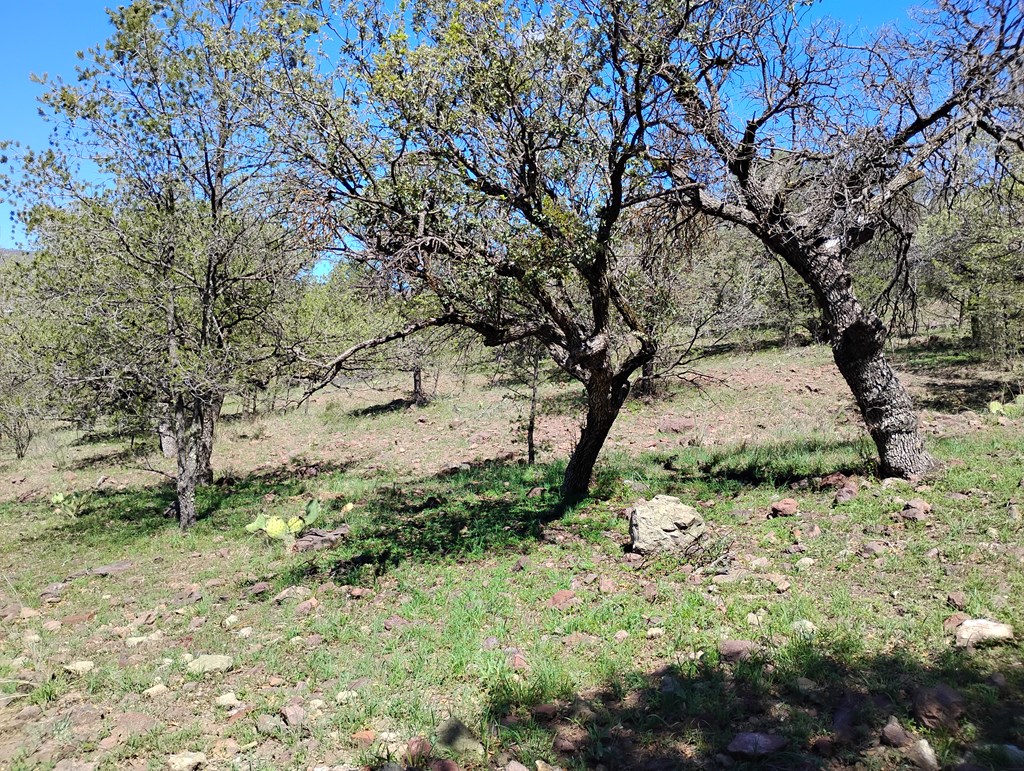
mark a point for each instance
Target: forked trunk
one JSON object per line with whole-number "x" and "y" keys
{"x": 419, "y": 396}
{"x": 604, "y": 401}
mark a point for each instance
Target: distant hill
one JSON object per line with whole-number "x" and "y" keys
{"x": 10, "y": 254}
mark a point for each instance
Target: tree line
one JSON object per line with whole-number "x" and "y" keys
{"x": 610, "y": 182}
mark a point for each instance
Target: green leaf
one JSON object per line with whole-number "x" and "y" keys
{"x": 312, "y": 512}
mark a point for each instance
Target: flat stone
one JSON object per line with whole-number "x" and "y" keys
{"x": 80, "y": 667}
{"x": 269, "y": 725}
{"x": 939, "y": 707}
{"x": 736, "y": 650}
{"x": 157, "y": 691}
{"x": 981, "y": 631}
{"x": 186, "y": 761}
{"x": 207, "y": 663}
{"x": 787, "y": 507}
{"x": 755, "y": 745}
{"x": 666, "y": 525}
{"x": 228, "y": 700}
{"x": 896, "y": 735}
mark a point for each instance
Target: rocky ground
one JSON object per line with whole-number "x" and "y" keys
{"x": 829, "y": 619}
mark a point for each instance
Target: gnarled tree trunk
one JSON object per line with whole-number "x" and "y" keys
{"x": 209, "y": 415}
{"x": 858, "y": 338}
{"x": 605, "y": 398}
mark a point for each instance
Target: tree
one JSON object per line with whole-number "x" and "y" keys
{"x": 489, "y": 152}
{"x": 174, "y": 259}
{"x": 814, "y": 145}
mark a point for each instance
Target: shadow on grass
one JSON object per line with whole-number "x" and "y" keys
{"x": 685, "y": 715}
{"x": 953, "y": 385}
{"x": 779, "y": 463}
{"x": 395, "y": 405}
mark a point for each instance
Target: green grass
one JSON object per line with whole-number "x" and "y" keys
{"x": 440, "y": 553}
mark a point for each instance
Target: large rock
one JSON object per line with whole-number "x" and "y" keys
{"x": 665, "y": 525}
{"x": 208, "y": 663}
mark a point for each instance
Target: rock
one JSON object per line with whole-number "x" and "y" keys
{"x": 736, "y": 650}
{"x": 306, "y": 607}
{"x": 956, "y": 600}
{"x": 515, "y": 765}
{"x": 787, "y": 507}
{"x": 186, "y": 761}
{"x": 228, "y": 700}
{"x": 873, "y": 549}
{"x": 896, "y": 735}
{"x": 939, "y": 707}
{"x": 666, "y": 525}
{"x": 257, "y": 590}
{"x": 230, "y": 622}
{"x": 922, "y": 755}
{"x": 621, "y": 635}
{"x": 206, "y": 663}
{"x": 294, "y": 715}
{"x": 823, "y": 746}
{"x": 346, "y": 697}
{"x": 918, "y": 504}
{"x": 80, "y": 667}
{"x": 952, "y": 623}
{"x": 981, "y": 631}
{"x": 804, "y": 627}
{"x": 535, "y": 492}
{"x": 563, "y": 599}
{"x": 269, "y": 725}
{"x": 453, "y": 736}
{"x": 417, "y": 748}
{"x": 755, "y": 745}
{"x": 157, "y": 691}
{"x": 365, "y": 738}
{"x": 444, "y": 765}
{"x": 292, "y": 593}
{"x": 847, "y": 492}
{"x": 655, "y": 632}
{"x": 805, "y": 562}
{"x": 319, "y": 540}
{"x": 673, "y": 425}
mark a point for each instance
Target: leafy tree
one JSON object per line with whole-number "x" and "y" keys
{"x": 490, "y": 152}
{"x": 173, "y": 261}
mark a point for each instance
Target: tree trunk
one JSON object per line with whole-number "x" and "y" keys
{"x": 188, "y": 430}
{"x": 858, "y": 339}
{"x": 419, "y": 397}
{"x": 209, "y": 415}
{"x": 604, "y": 400}
{"x": 531, "y": 423}
{"x": 646, "y": 385}
{"x": 165, "y": 432}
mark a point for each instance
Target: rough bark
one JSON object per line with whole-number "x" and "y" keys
{"x": 209, "y": 415}
{"x": 646, "y": 384}
{"x": 419, "y": 396}
{"x": 604, "y": 401}
{"x": 858, "y": 338}
{"x": 188, "y": 429}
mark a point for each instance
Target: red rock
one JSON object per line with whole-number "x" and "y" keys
{"x": 953, "y": 622}
{"x": 562, "y": 599}
{"x": 306, "y": 607}
{"x": 417, "y": 748}
{"x": 939, "y": 707}
{"x": 444, "y": 765}
{"x": 787, "y": 507}
{"x": 79, "y": 618}
{"x": 258, "y": 589}
{"x": 365, "y": 738}
{"x": 293, "y": 715}
{"x": 956, "y": 600}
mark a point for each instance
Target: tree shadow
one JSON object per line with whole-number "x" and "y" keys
{"x": 827, "y": 703}
{"x": 465, "y": 514}
{"x": 777, "y": 463}
{"x": 952, "y": 385}
{"x": 375, "y": 410}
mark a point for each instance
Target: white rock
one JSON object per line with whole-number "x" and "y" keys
{"x": 804, "y": 562}
{"x": 186, "y": 761}
{"x": 80, "y": 667}
{"x": 228, "y": 700}
{"x": 230, "y": 621}
{"x": 210, "y": 663}
{"x": 156, "y": 691}
{"x": 244, "y": 632}
{"x": 133, "y": 642}
{"x": 31, "y": 638}
{"x": 655, "y": 632}
{"x": 665, "y": 524}
{"x": 346, "y": 697}
{"x": 804, "y": 627}
{"x": 923, "y": 756}
{"x": 978, "y": 631}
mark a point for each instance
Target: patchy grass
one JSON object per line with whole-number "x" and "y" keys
{"x": 439, "y": 604}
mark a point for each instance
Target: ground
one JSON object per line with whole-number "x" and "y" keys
{"x": 464, "y": 590}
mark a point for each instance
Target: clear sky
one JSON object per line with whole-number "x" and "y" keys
{"x": 43, "y": 36}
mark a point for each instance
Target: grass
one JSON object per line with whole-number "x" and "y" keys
{"x": 459, "y": 569}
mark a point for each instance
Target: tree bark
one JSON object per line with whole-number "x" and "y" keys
{"x": 646, "y": 385}
{"x": 419, "y": 396}
{"x": 604, "y": 400}
{"x": 858, "y": 340}
{"x": 188, "y": 429}
{"x": 209, "y": 415}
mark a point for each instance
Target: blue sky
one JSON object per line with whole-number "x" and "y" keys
{"x": 43, "y": 36}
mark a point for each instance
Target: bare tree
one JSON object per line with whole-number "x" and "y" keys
{"x": 814, "y": 144}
